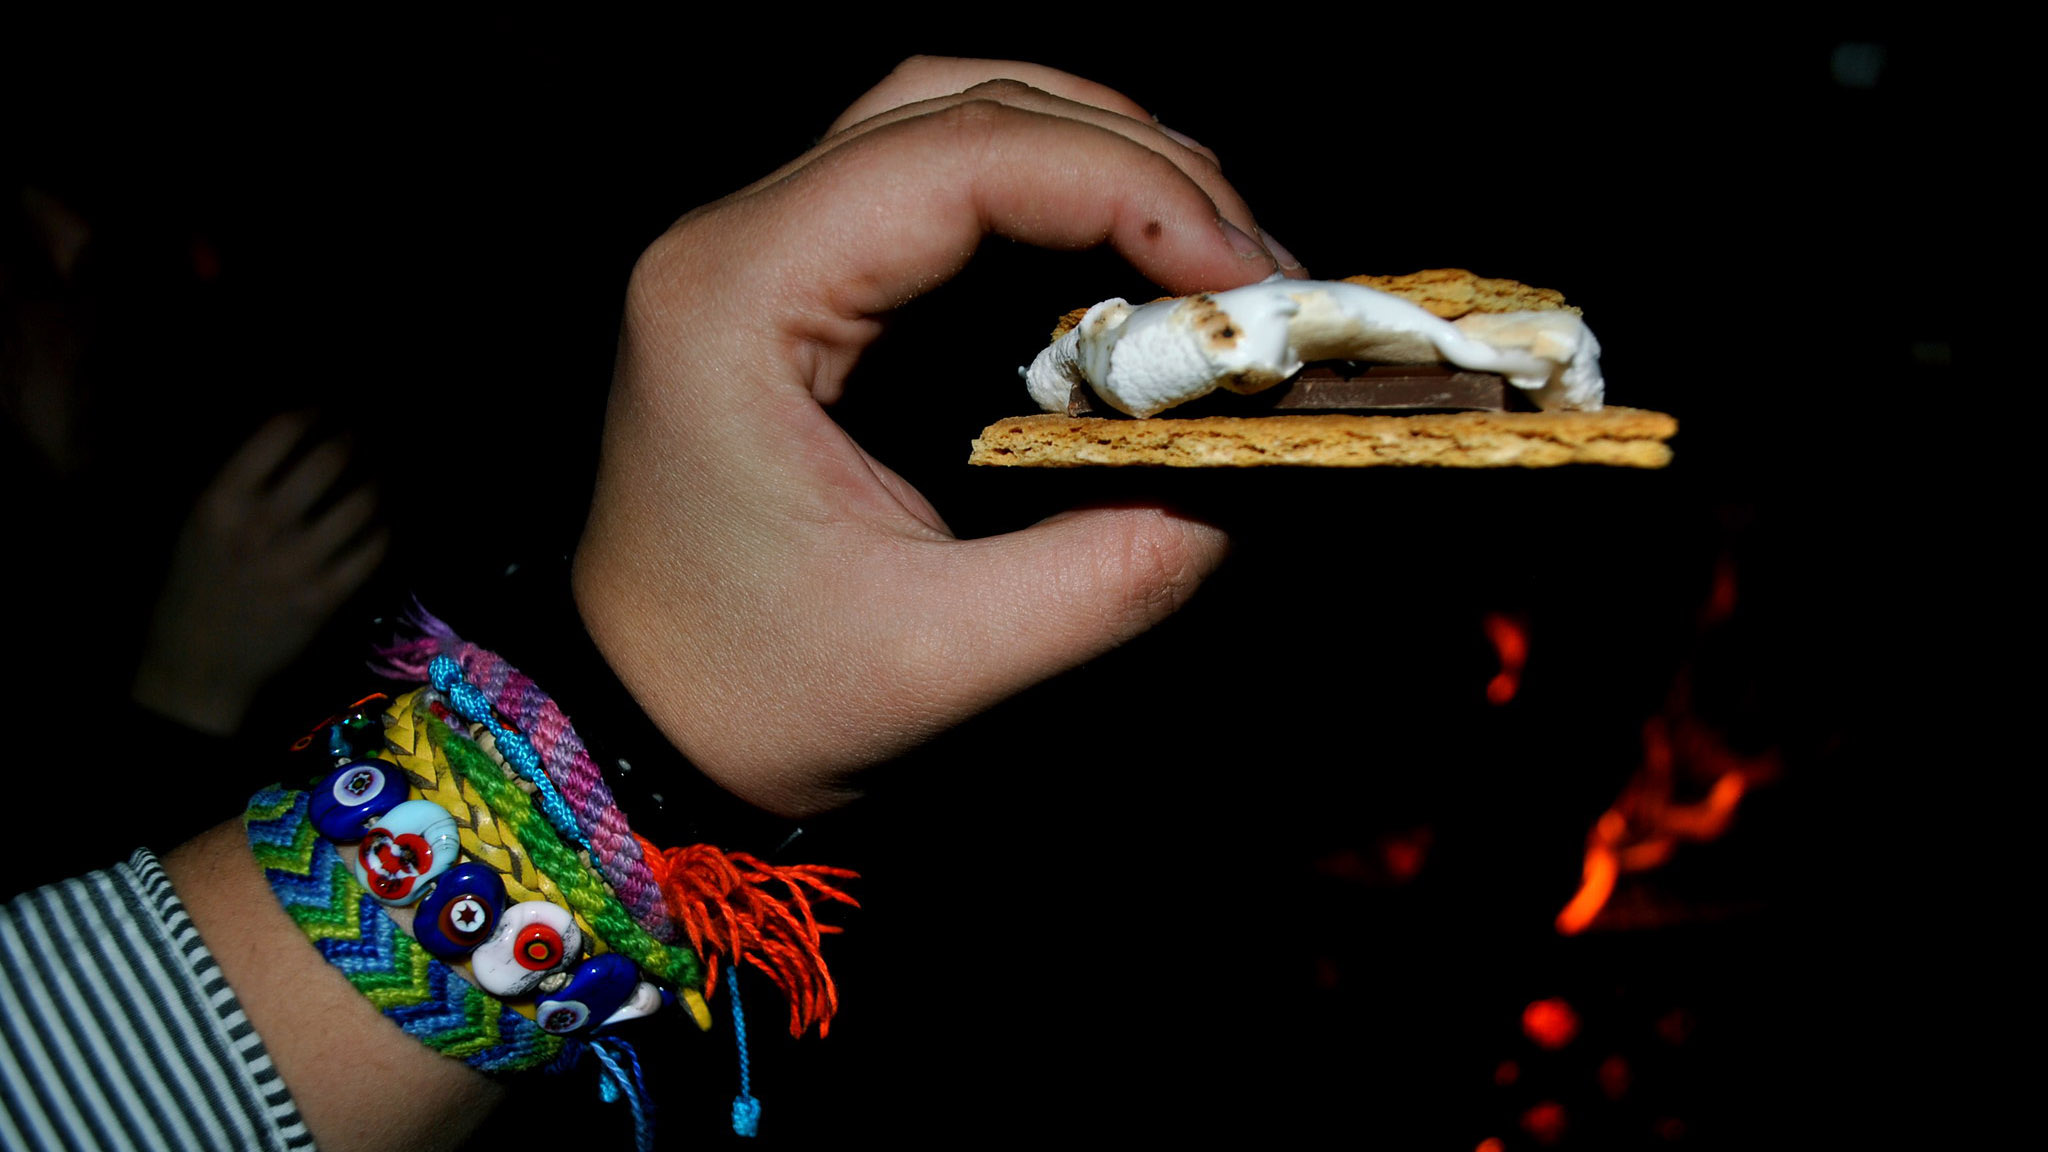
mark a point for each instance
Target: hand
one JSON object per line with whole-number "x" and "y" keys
{"x": 787, "y": 609}
{"x": 254, "y": 575}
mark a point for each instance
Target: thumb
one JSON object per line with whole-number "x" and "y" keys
{"x": 1028, "y": 605}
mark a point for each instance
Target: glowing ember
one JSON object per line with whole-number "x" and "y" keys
{"x": 1682, "y": 756}
{"x": 1613, "y": 1075}
{"x": 1647, "y": 822}
{"x": 1545, "y": 1122}
{"x": 1550, "y": 1023}
{"x": 1720, "y": 603}
{"x": 1396, "y": 858}
{"x": 1510, "y": 639}
{"x": 1675, "y": 1026}
{"x": 1404, "y": 852}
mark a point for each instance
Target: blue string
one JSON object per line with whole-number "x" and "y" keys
{"x": 621, "y": 1079}
{"x": 469, "y": 701}
{"x": 746, "y": 1111}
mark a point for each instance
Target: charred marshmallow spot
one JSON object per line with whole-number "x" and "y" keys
{"x": 1143, "y": 360}
{"x": 1212, "y": 324}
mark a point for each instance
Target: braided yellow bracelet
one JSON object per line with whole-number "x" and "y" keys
{"x": 471, "y": 838}
{"x": 484, "y": 838}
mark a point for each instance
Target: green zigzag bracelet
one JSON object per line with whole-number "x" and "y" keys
{"x": 420, "y": 994}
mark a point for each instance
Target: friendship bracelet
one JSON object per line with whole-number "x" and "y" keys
{"x": 468, "y": 702}
{"x": 485, "y": 839}
{"x": 465, "y": 856}
{"x": 569, "y": 765}
{"x": 584, "y": 892}
{"x": 547, "y": 751}
{"x": 351, "y": 930}
{"x": 498, "y": 982}
{"x": 530, "y": 614}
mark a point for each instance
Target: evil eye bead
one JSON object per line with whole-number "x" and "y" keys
{"x": 461, "y": 912}
{"x": 646, "y": 1001}
{"x": 537, "y": 948}
{"x": 351, "y": 734}
{"x": 601, "y": 986}
{"x": 533, "y": 939}
{"x": 405, "y": 850}
{"x": 353, "y": 797}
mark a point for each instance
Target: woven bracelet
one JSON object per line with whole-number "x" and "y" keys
{"x": 465, "y": 867}
{"x": 352, "y": 931}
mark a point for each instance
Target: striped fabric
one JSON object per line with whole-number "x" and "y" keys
{"x": 117, "y": 1030}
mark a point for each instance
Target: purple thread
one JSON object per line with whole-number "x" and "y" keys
{"x": 568, "y": 764}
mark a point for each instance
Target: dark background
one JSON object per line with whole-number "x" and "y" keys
{"x": 1149, "y": 899}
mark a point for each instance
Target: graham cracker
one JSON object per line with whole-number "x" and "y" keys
{"x": 1617, "y": 437}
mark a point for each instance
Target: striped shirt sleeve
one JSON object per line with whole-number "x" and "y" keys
{"x": 117, "y": 1030}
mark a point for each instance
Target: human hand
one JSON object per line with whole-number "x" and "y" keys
{"x": 254, "y": 575}
{"x": 787, "y": 609}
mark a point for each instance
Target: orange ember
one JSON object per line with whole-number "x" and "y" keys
{"x": 1647, "y": 821}
{"x": 1403, "y": 853}
{"x": 1680, "y": 757}
{"x": 1550, "y": 1023}
{"x": 1674, "y": 1026}
{"x": 1688, "y": 787}
{"x": 1613, "y": 1075}
{"x": 1510, "y": 639}
{"x": 1545, "y": 1122}
{"x": 1720, "y": 603}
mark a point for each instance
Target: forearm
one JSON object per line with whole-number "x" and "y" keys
{"x": 785, "y": 609}
{"x": 359, "y": 1082}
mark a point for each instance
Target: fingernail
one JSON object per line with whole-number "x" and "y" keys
{"x": 1280, "y": 253}
{"x": 1179, "y": 137}
{"x": 1246, "y": 247}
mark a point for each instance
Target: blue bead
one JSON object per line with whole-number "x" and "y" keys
{"x": 353, "y": 796}
{"x": 461, "y": 912}
{"x": 601, "y": 986}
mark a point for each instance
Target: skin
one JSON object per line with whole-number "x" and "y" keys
{"x": 744, "y": 557}
{"x": 788, "y": 609}
{"x": 259, "y": 566}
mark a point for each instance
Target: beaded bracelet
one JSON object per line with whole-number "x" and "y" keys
{"x": 466, "y": 840}
{"x": 719, "y": 900}
{"x": 422, "y": 995}
{"x": 498, "y": 829}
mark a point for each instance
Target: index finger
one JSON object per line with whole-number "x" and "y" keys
{"x": 929, "y": 77}
{"x": 816, "y": 242}
{"x": 260, "y": 456}
{"x": 981, "y": 167}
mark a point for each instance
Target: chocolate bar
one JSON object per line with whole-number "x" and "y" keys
{"x": 1343, "y": 386}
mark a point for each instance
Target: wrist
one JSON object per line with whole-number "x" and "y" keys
{"x": 193, "y": 697}
{"x": 534, "y": 620}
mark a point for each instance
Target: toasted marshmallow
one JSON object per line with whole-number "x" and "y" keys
{"x": 1142, "y": 360}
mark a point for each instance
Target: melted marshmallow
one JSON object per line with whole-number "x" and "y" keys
{"x": 1145, "y": 359}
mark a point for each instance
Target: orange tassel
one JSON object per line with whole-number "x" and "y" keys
{"x": 725, "y": 907}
